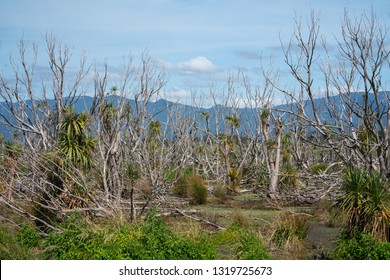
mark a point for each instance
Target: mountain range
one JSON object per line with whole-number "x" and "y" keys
{"x": 248, "y": 117}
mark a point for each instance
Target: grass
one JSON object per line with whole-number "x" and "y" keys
{"x": 251, "y": 211}
{"x": 226, "y": 214}
{"x": 152, "y": 239}
{"x": 253, "y": 197}
{"x": 18, "y": 244}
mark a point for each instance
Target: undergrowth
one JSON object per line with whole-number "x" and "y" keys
{"x": 150, "y": 239}
{"x": 19, "y": 245}
{"x": 361, "y": 246}
{"x": 239, "y": 243}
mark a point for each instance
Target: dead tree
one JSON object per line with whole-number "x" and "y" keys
{"x": 27, "y": 107}
{"x": 354, "y": 100}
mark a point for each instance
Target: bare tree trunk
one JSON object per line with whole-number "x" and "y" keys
{"x": 133, "y": 214}
{"x": 274, "y": 170}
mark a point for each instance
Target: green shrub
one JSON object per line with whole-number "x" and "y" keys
{"x": 261, "y": 175}
{"x": 133, "y": 173}
{"x": 234, "y": 176}
{"x": 170, "y": 175}
{"x": 139, "y": 241}
{"x": 180, "y": 189}
{"x": 238, "y": 243}
{"x": 192, "y": 187}
{"x": 250, "y": 247}
{"x": 28, "y": 236}
{"x": 11, "y": 249}
{"x": 220, "y": 192}
{"x": 365, "y": 203}
{"x": 182, "y": 185}
{"x": 198, "y": 190}
{"x": 258, "y": 174}
{"x": 290, "y": 177}
{"x": 361, "y": 247}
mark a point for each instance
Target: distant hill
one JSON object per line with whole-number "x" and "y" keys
{"x": 248, "y": 116}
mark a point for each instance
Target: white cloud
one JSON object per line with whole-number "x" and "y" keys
{"x": 178, "y": 95}
{"x": 199, "y": 64}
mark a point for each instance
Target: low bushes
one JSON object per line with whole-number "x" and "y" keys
{"x": 139, "y": 241}
{"x": 191, "y": 187}
{"x": 147, "y": 241}
{"x": 365, "y": 203}
{"x": 81, "y": 239}
{"x": 238, "y": 243}
{"x": 251, "y": 247}
{"x": 365, "y": 208}
{"x": 18, "y": 245}
{"x": 362, "y": 246}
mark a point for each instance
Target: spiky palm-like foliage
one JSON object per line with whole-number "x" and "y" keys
{"x": 206, "y": 117}
{"x": 233, "y": 121}
{"x": 366, "y": 203}
{"x": 74, "y": 143}
{"x": 234, "y": 175}
{"x": 290, "y": 176}
{"x": 155, "y": 129}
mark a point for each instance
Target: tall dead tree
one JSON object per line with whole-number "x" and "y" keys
{"x": 357, "y": 126}
{"x": 26, "y": 105}
{"x": 112, "y": 112}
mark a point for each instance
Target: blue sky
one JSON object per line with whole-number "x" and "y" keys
{"x": 197, "y": 41}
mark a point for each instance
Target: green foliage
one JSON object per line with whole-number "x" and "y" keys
{"x": 28, "y": 236}
{"x": 365, "y": 203}
{"x": 192, "y": 187}
{"x": 290, "y": 176}
{"x": 181, "y": 187}
{"x": 12, "y": 149}
{"x": 12, "y": 247}
{"x": 198, "y": 190}
{"x": 233, "y": 120}
{"x": 250, "y": 247}
{"x": 155, "y": 129}
{"x": 288, "y": 229}
{"x": 318, "y": 168}
{"x": 258, "y": 173}
{"x": 264, "y": 116}
{"x": 235, "y": 177}
{"x": 132, "y": 172}
{"x": 148, "y": 240}
{"x": 240, "y": 218}
{"x": 240, "y": 244}
{"x": 170, "y": 175}
{"x": 220, "y": 192}
{"x": 81, "y": 239}
{"x": 74, "y": 143}
{"x": 360, "y": 247}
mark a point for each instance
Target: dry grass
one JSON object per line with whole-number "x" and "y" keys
{"x": 142, "y": 185}
{"x": 288, "y": 236}
{"x": 241, "y": 218}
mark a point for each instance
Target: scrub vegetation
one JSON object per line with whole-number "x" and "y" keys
{"x": 111, "y": 173}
